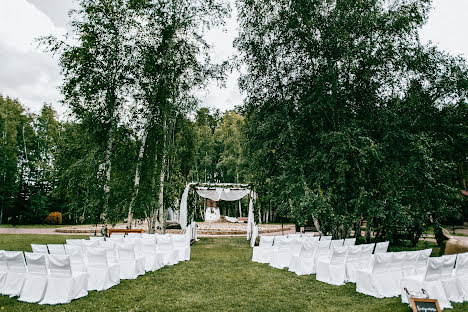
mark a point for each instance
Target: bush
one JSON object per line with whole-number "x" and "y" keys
{"x": 54, "y": 218}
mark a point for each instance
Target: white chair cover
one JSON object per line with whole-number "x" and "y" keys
{"x": 3, "y": 269}
{"x": 375, "y": 282}
{"x": 333, "y": 270}
{"x": 295, "y": 235}
{"x": 101, "y": 274}
{"x": 430, "y": 282}
{"x": 77, "y": 260}
{"x": 350, "y": 241}
{"x": 86, "y": 244}
{"x": 15, "y": 275}
{"x": 461, "y": 274}
{"x": 152, "y": 261}
{"x": 182, "y": 245}
{"x": 56, "y": 249}
{"x": 352, "y": 262}
{"x": 75, "y": 242}
{"x": 39, "y": 248}
{"x": 408, "y": 266}
{"x": 381, "y": 247}
{"x": 323, "y": 251}
{"x": 131, "y": 266}
{"x": 283, "y": 252}
{"x": 35, "y": 282}
{"x": 336, "y": 243}
{"x": 303, "y": 264}
{"x": 96, "y": 238}
{"x": 263, "y": 252}
{"x": 449, "y": 280}
{"x": 364, "y": 262}
{"x": 134, "y": 235}
{"x": 325, "y": 238}
{"x": 164, "y": 249}
{"x": 63, "y": 285}
{"x": 421, "y": 262}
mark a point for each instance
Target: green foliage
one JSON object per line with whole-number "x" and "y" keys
{"x": 349, "y": 116}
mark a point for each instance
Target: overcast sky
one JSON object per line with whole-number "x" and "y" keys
{"x": 33, "y": 77}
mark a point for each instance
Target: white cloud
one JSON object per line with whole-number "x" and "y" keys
{"x": 447, "y": 25}
{"x": 26, "y": 72}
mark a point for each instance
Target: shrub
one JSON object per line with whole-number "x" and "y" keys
{"x": 54, "y": 218}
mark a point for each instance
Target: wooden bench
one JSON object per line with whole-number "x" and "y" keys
{"x": 242, "y": 219}
{"x": 124, "y": 231}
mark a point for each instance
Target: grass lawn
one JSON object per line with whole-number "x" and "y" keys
{"x": 219, "y": 277}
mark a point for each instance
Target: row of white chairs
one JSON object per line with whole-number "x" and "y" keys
{"x": 445, "y": 279}
{"x": 94, "y": 264}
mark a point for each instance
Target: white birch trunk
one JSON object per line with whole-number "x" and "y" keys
{"x": 161, "y": 182}
{"x": 108, "y": 166}
{"x": 136, "y": 184}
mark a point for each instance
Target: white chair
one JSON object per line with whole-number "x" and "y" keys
{"x": 16, "y": 273}
{"x": 35, "y": 282}
{"x": 449, "y": 280}
{"x": 182, "y": 245}
{"x": 336, "y": 243}
{"x": 323, "y": 251}
{"x": 350, "y": 241}
{"x": 101, "y": 274}
{"x": 39, "y": 248}
{"x": 89, "y": 244}
{"x": 111, "y": 251}
{"x": 430, "y": 282}
{"x": 164, "y": 249}
{"x": 149, "y": 251}
{"x": 421, "y": 261}
{"x": 3, "y": 269}
{"x": 352, "y": 262}
{"x": 364, "y": 262}
{"x": 381, "y": 247}
{"x": 56, "y": 249}
{"x": 283, "y": 252}
{"x": 332, "y": 270}
{"x": 134, "y": 235}
{"x": 96, "y": 238}
{"x": 323, "y": 238}
{"x": 295, "y": 235}
{"x": 303, "y": 264}
{"x": 131, "y": 266}
{"x": 461, "y": 275}
{"x": 77, "y": 259}
{"x": 75, "y": 242}
{"x": 63, "y": 286}
{"x": 375, "y": 281}
{"x": 263, "y": 252}
{"x": 408, "y": 266}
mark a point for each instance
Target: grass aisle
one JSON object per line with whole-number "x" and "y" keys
{"x": 219, "y": 277}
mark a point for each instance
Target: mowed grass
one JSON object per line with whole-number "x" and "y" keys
{"x": 219, "y": 277}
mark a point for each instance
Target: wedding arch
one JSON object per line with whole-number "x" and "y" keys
{"x": 219, "y": 192}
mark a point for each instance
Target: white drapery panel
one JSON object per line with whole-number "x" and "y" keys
{"x": 183, "y": 207}
{"x": 218, "y": 194}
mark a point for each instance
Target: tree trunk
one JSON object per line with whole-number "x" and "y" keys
{"x": 4, "y": 137}
{"x": 136, "y": 184}
{"x": 108, "y": 166}
{"x": 161, "y": 182}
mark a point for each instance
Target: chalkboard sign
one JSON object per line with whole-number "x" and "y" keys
{"x": 424, "y": 305}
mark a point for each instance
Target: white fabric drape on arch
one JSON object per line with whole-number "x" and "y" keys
{"x": 218, "y": 194}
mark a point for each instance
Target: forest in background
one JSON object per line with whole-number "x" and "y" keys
{"x": 348, "y": 118}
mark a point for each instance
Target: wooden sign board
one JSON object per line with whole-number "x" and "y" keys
{"x": 424, "y": 305}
